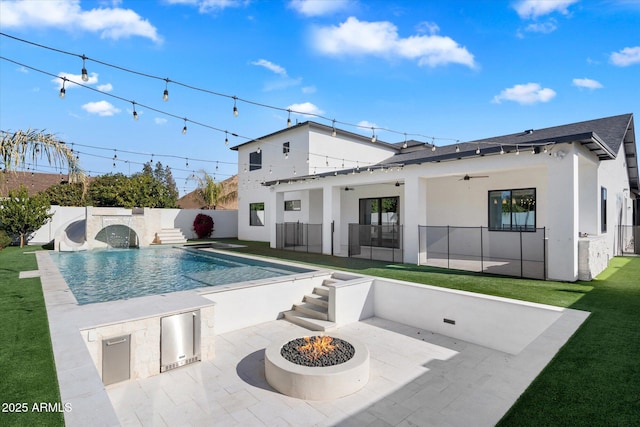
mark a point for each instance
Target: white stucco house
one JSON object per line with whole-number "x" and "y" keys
{"x": 547, "y": 201}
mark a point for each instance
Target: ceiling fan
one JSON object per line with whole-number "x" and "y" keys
{"x": 468, "y": 177}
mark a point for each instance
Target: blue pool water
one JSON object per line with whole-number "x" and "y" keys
{"x": 109, "y": 275}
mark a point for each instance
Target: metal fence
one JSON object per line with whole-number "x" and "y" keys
{"x": 299, "y": 236}
{"x": 519, "y": 253}
{"x": 628, "y": 239}
{"x": 379, "y": 242}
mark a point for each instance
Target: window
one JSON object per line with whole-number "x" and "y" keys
{"x": 512, "y": 210}
{"x": 256, "y": 214}
{"x": 255, "y": 160}
{"x": 285, "y": 149}
{"x": 603, "y": 209}
{"x": 292, "y": 205}
{"x": 382, "y": 214}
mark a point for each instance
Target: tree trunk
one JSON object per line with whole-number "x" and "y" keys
{"x": 22, "y": 240}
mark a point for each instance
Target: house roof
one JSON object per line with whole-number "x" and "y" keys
{"x": 34, "y": 182}
{"x": 601, "y": 136}
{"x": 323, "y": 128}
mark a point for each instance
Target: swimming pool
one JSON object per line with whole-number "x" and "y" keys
{"x": 109, "y": 275}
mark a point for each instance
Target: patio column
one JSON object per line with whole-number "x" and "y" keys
{"x": 276, "y": 214}
{"x": 331, "y": 213}
{"x": 563, "y": 217}
{"x": 414, "y": 204}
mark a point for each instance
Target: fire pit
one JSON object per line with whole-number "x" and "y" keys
{"x": 317, "y": 368}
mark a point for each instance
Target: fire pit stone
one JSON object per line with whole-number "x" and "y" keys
{"x": 317, "y": 382}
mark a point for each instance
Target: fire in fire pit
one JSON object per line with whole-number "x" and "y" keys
{"x": 317, "y": 351}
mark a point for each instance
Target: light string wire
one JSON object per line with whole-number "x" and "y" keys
{"x": 167, "y": 80}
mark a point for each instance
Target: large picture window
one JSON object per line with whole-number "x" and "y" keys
{"x": 512, "y": 210}
{"x": 292, "y": 205}
{"x": 256, "y": 214}
{"x": 383, "y": 215}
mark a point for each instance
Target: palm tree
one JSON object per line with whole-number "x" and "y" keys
{"x": 20, "y": 148}
{"x": 213, "y": 193}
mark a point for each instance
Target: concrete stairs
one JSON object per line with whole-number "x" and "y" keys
{"x": 313, "y": 312}
{"x": 168, "y": 236}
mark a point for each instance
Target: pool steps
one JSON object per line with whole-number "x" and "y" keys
{"x": 170, "y": 236}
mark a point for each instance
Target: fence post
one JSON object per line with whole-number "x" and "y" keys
{"x": 544, "y": 252}
{"x": 333, "y": 228}
{"x": 481, "y": 252}
{"x": 521, "y": 262}
{"x": 448, "y": 247}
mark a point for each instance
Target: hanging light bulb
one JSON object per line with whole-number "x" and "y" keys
{"x": 289, "y": 119}
{"x": 501, "y": 150}
{"x": 433, "y": 147}
{"x": 115, "y": 155}
{"x": 373, "y": 136}
{"x": 165, "y": 94}
{"x": 517, "y": 150}
{"x": 258, "y": 150}
{"x": 457, "y": 148}
{"x": 404, "y": 145}
{"x": 135, "y": 114}
{"x": 326, "y": 160}
{"x": 478, "y": 150}
{"x": 333, "y": 129}
{"x": 63, "y": 91}
{"x": 226, "y": 138}
{"x": 184, "y": 129}
{"x": 235, "y": 109}
{"x": 187, "y": 162}
{"x": 85, "y": 75}
{"x": 533, "y": 150}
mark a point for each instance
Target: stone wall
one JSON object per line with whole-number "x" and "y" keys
{"x": 593, "y": 256}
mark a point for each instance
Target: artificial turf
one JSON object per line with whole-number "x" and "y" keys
{"x": 28, "y": 374}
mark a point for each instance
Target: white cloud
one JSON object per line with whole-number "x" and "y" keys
{"x": 23, "y": 70}
{"x": 318, "y": 7}
{"x": 529, "y": 93}
{"x": 627, "y": 56}
{"x": 110, "y": 22}
{"x": 101, "y": 108}
{"x": 75, "y": 78}
{"x": 306, "y": 108}
{"x": 532, "y": 9}
{"x": 309, "y": 89}
{"x": 207, "y": 6}
{"x": 543, "y": 27}
{"x": 366, "y": 124}
{"x": 105, "y": 87}
{"x": 271, "y": 67}
{"x": 428, "y": 28}
{"x": 160, "y": 120}
{"x": 354, "y": 37}
{"x": 587, "y": 83}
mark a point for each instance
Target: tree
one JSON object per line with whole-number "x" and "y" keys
{"x": 21, "y": 148}
{"x": 21, "y": 215}
{"x": 67, "y": 194}
{"x": 113, "y": 190}
{"x": 212, "y": 193}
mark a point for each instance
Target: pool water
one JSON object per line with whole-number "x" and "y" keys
{"x": 109, "y": 275}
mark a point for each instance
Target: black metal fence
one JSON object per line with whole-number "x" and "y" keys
{"x": 299, "y": 236}
{"x": 520, "y": 253}
{"x": 379, "y": 242}
{"x": 628, "y": 239}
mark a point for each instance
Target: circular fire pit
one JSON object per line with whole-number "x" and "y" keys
{"x": 320, "y": 381}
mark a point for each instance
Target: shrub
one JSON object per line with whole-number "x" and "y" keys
{"x": 203, "y": 226}
{"x": 5, "y": 240}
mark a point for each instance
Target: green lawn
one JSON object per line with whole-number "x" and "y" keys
{"x": 593, "y": 380}
{"x": 26, "y": 357}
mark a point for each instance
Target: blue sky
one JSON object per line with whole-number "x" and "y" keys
{"x": 437, "y": 71}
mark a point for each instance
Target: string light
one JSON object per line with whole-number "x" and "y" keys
{"x": 226, "y": 138}
{"x": 63, "y": 91}
{"x": 235, "y": 108}
{"x": 478, "y": 150}
{"x": 517, "y": 150}
{"x": 404, "y": 145}
{"x": 373, "y": 136}
{"x": 289, "y": 119}
{"x": 259, "y": 150}
{"x": 135, "y": 114}
{"x": 165, "y": 94}
{"x": 184, "y": 129}
{"x": 457, "y": 148}
{"x": 501, "y": 150}
{"x": 85, "y": 75}
{"x": 333, "y": 128}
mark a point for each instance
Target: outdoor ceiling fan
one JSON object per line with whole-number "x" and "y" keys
{"x": 468, "y": 177}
